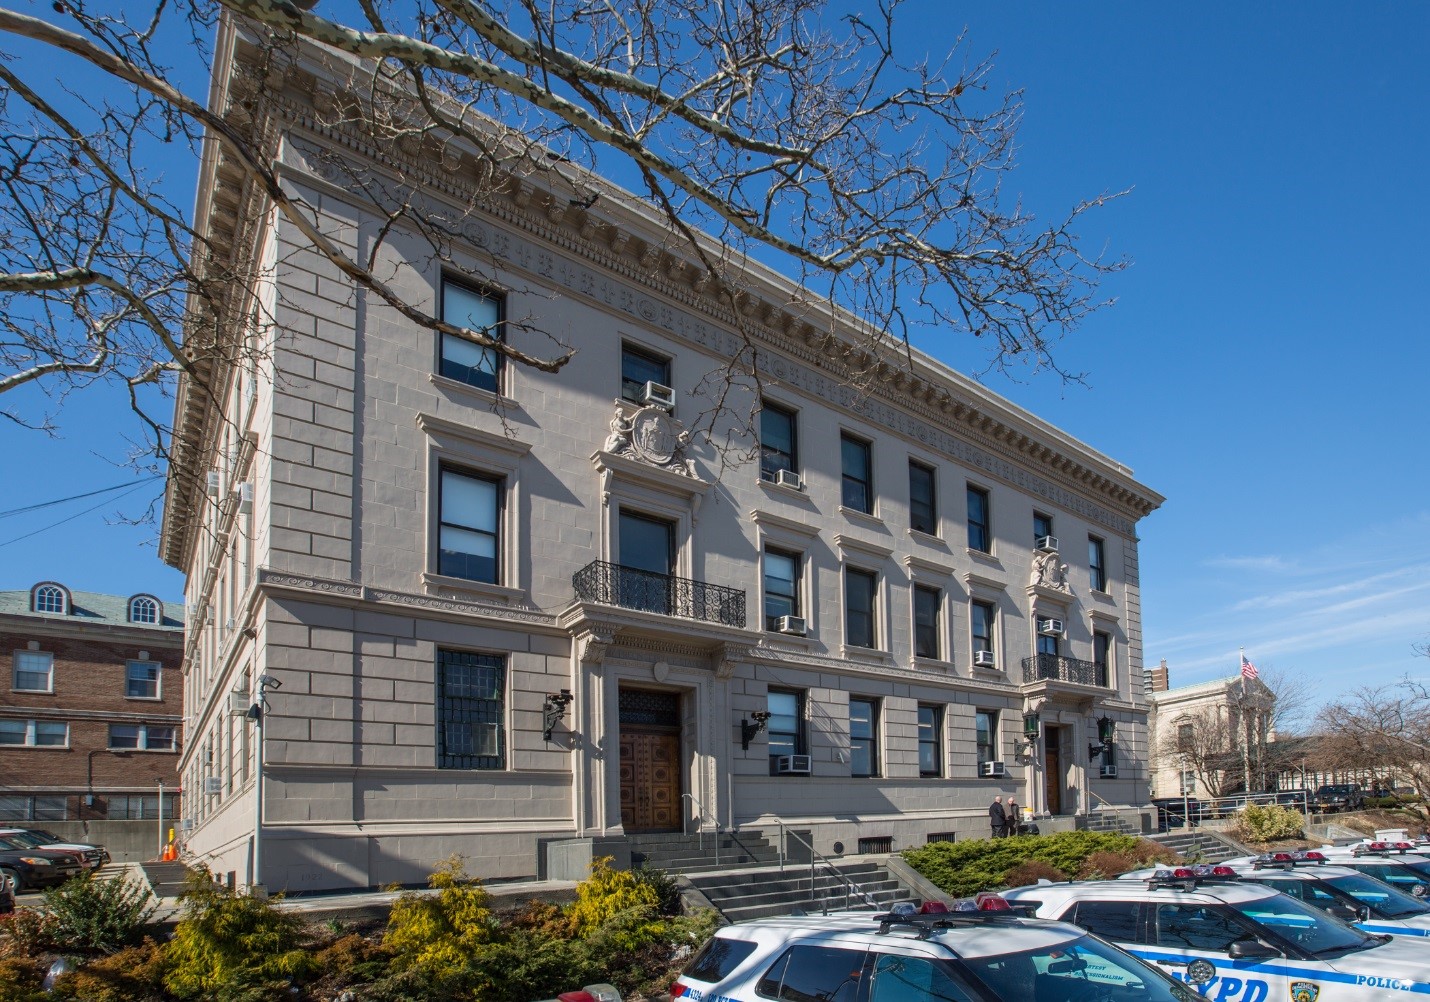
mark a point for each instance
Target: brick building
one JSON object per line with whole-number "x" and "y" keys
{"x": 90, "y": 709}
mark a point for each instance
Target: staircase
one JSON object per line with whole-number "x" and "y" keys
{"x": 1102, "y": 822}
{"x": 1202, "y": 845}
{"x": 166, "y": 879}
{"x": 677, "y": 853}
{"x": 752, "y": 894}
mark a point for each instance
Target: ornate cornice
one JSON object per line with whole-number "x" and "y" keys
{"x": 351, "y": 591}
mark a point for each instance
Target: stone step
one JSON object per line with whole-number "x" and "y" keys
{"x": 785, "y": 890}
{"x": 788, "y": 906}
{"x": 760, "y": 893}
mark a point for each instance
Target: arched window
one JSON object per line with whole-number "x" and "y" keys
{"x": 51, "y": 598}
{"x": 143, "y": 609}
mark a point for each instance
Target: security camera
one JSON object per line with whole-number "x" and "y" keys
{"x": 269, "y": 682}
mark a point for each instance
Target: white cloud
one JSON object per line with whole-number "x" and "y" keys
{"x": 1269, "y": 564}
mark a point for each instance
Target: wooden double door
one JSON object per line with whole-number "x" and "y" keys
{"x": 650, "y": 780}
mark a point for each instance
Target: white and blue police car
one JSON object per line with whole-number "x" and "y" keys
{"x": 1399, "y": 864}
{"x": 1360, "y": 899}
{"x": 1237, "y": 941}
{"x": 978, "y": 952}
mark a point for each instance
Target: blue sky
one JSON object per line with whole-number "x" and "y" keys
{"x": 1264, "y": 365}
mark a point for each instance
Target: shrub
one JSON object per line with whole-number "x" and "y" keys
{"x": 1030, "y": 872}
{"x": 666, "y": 888}
{"x": 232, "y": 949}
{"x": 963, "y": 868}
{"x": 98, "y": 915}
{"x": 27, "y": 931}
{"x": 352, "y": 959}
{"x": 440, "y": 933}
{"x": 1102, "y": 865}
{"x": 622, "y": 906}
{"x": 20, "y": 980}
{"x": 1268, "y": 822}
{"x": 135, "y": 974}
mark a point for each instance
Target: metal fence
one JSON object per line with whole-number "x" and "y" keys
{"x": 611, "y": 584}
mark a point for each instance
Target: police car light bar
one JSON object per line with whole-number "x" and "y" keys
{"x": 1189, "y": 876}
{"x": 1380, "y": 848}
{"x": 985, "y": 907}
{"x": 1287, "y": 860}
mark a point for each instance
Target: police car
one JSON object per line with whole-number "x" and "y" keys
{"x": 1359, "y": 898}
{"x": 1398, "y": 864}
{"x": 980, "y": 952}
{"x": 1237, "y": 941}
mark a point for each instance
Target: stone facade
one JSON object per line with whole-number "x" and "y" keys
{"x": 316, "y": 561}
{"x": 1226, "y": 718}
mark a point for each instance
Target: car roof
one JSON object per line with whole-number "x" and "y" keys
{"x": 1305, "y": 871}
{"x": 1204, "y": 892}
{"x": 974, "y": 934}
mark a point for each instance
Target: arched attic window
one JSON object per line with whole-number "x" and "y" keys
{"x": 50, "y": 597}
{"x": 144, "y": 609}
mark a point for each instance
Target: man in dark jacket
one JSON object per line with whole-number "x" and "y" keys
{"x": 997, "y": 818}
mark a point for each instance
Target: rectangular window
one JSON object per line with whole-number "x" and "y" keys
{"x": 141, "y": 737}
{"x": 980, "y": 536}
{"x": 471, "y": 710}
{"x": 923, "y": 499}
{"x": 930, "y": 740}
{"x": 1186, "y": 737}
{"x": 469, "y": 512}
{"x": 137, "y": 807}
{"x": 141, "y": 680}
{"x": 1102, "y": 656}
{"x": 1042, "y": 525}
{"x": 986, "y": 734}
{"x": 34, "y": 671}
{"x": 863, "y": 737}
{"x": 462, "y": 360}
{"x": 858, "y": 484}
{"x": 781, "y": 586}
{"x": 639, "y": 367}
{"x": 860, "y": 588}
{"x": 926, "y": 622}
{"x": 785, "y": 727}
{"x": 14, "y": 732}
{"x": 51, "y": 734}
{"x": 982, "y": 622}
{"x": 1096, "y": 564}
{"x": 779, "y": 441}
{"x": 1048, "y": 644}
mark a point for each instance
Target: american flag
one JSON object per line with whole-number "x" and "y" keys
{"x": 1248, "y": 670}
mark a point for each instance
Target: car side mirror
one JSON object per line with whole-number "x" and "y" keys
{"x": 1250, "y": 949}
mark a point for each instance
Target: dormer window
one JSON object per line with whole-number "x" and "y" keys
{"x": 144, "y": 609}
{"x": 50, "y": 598}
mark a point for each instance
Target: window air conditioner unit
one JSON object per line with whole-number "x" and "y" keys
{"x": 1047, "y": 544}
{"x": 230, "y": 624}
{"x": 793, "y": 625}
{"x": 213, "y": 785}
{"x": 1050, "y": 626}
{"x": 790, "y": 479}
{"x": 659, "y": 396}
{"x": 238, "y": 704}
{"x": 984, "y": 659}
{"x": 245, "y": 498}
{"x": 991, "y": 769}
{"x": 215, "y": 479}
{"x": 792, "y": 765}
{"x": 186, "y": 825}
{"x": 1108, "y": 772}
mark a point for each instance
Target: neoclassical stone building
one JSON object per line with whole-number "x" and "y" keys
{"x": 507, "y": 607}
{"x": 1212, "y": 734}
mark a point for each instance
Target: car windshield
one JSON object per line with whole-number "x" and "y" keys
{"x": 1076, "y": 971}
{"x": 24, "y": 839}
{"x": 1383, "y": 899}
{"x": 1309, "y": 928}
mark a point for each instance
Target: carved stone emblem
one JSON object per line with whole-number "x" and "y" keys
{"x": 652, "y": 436}
{"x": 1049, "y": 573}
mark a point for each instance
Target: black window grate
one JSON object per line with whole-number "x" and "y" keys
{"x": 877, "y": 844}
{"x": 471, "y": 710}
{"x": 942, "y": 837}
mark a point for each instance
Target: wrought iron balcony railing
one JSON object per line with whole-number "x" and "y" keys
{"x": 1056, "y": 668}
{"x": 629, "y": 588}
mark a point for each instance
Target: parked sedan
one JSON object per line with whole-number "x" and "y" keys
{"x": 94, "y": 856}
{"x": 37, "y": 869}
{"x": 17, "y": 844}
{"x": 7, "y": 895}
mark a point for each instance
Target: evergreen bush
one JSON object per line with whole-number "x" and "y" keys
{"x": 98, "y": 916}
{"x": 135, "y": 974}
{"x": 1267, "y": 823}
{"x": 440, "y": 933}
{"x": 964, "y": 868}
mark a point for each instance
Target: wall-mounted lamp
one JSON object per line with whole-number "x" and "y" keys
{"x": 553, "y": 711}
{"x": 1106, "y": 728}
{"x": 748, "y": 728}
{"x": 1031, "y": 723}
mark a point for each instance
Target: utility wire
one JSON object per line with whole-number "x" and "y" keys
{"x": 76, "y": 515}
{"x": 77, "y": 497}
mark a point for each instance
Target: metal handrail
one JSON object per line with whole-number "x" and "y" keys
{"x": 816, "y": 858}
{"x": 606, "y": 583}
{"x": 699, "y": 810}
{"x": 1059, "y": 668}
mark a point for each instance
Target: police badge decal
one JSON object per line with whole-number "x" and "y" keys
{"x": 1304, "y": 991}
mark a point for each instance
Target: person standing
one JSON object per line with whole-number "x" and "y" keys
{"x": 997, "y": 818}
{"x": 1015, "y": 818}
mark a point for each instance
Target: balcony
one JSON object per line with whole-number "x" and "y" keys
{"x": 604, "y": 583}
{"x": 1056, "y": 668}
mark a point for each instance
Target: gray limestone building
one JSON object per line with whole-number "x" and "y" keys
{"x": 510, "y": 609}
